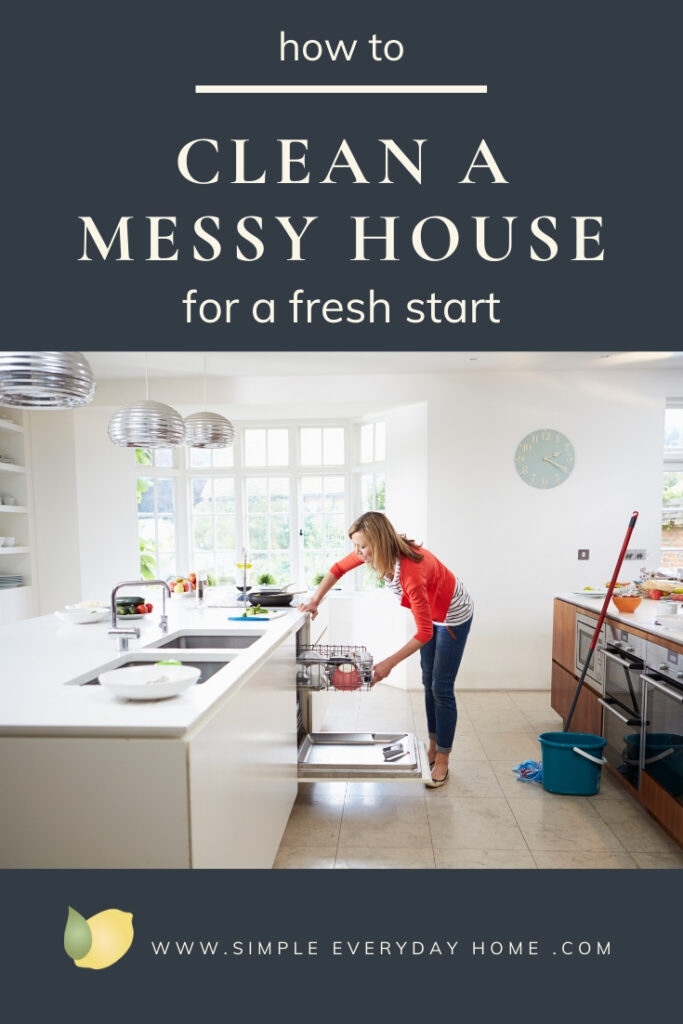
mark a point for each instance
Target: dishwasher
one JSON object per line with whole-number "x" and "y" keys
{"x": 348, "y": 756}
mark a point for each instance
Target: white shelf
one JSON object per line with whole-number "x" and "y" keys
{"x": 9, "y": 425}
{"x": 14, "y": 551}
{"x": 13, "y": 508}
{"x": 10, "y": 467}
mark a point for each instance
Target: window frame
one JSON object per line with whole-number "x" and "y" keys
{"x": 184, "y": 474}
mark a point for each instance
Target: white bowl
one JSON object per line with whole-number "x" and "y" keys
{"x": 9, "y": 542}
{"x": 82, "y": 616}
{"x": 2, "y": 541}
{"x": 149, "y": 682}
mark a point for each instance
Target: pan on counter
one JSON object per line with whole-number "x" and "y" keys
{"x": 272, "y": 597}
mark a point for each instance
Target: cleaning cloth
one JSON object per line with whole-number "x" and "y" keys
{"x": 529, "y": 771}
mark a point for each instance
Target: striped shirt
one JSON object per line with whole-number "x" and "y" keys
{"x": 460, "y": 609}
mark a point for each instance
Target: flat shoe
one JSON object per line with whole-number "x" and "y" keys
{"x": 434, "y": 784}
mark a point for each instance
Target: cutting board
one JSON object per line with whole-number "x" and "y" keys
{"x": 257, "y": 618}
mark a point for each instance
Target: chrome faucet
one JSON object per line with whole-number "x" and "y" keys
{"x": 123, "y": 634}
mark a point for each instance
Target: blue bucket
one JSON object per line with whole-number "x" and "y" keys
{"x": 572, "y": 762}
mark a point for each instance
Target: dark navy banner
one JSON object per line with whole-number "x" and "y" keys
{"x": 340, "y": 945}
{"x": 490, "y": 175}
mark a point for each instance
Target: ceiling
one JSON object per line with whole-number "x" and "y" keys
{"x": 118, "y": 365}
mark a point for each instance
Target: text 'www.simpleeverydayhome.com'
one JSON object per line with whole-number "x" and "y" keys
{"x": 359, "y": 948}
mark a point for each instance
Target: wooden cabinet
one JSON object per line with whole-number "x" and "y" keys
{"x": 564, "y": 634}
{"x": 587, "y": 715}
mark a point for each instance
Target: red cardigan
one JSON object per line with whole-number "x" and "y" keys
{"x": 427, "y": 587}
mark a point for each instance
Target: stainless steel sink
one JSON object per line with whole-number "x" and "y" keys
{"x": 206, "y": 669}
{"x": 208, "y": 663}
{"x": 197, "y": 641}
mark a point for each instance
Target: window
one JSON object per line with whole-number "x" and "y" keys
{"x": 323, "y": 523}
{"x": 156, "y": 513}
{"x": 672, "y": 495}
{"x": 268, "y": 526}
{"x": 282, "y": 492}
{"x": 372, "y": 456}
{"x": 322, "y": 446}
{"x": 370, "y": 478}
{"x": 212, "y": 508}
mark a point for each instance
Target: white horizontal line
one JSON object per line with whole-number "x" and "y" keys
{"x": 340, "y": 89}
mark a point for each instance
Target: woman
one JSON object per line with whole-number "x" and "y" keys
{"x": 442, "y": 610}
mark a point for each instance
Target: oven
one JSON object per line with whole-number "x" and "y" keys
{"x": 661, "y": 753}
{"x": 622, "y": 701}
{"x": 585, "y": 629}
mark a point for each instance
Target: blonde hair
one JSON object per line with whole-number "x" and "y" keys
{"x": 387, "y": 545}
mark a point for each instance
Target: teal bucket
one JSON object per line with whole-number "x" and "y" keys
{"x": 572, "y": 762}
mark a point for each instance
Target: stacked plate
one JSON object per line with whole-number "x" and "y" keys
{"x": 6, "y": 582}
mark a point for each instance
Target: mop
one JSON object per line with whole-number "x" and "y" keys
{"x": 532, "y": 771}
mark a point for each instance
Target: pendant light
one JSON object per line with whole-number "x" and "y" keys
{"x": 45, "y": 380}
{"x": 147, "y": 424}
{"x": 208, "y": 429}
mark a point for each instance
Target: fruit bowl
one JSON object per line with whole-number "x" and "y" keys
{"x": 626, "y": 604}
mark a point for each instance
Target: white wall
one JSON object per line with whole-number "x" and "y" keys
{"x": 514, "y": 545}
{"x": 55, "y": 497}
{"x": 451, "y": 482}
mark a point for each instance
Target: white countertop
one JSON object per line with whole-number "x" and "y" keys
{"x": 642, "y": 618}
{"x": 41, "y": 655}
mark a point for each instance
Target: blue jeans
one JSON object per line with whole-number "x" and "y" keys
{"x": 440, "y": 659}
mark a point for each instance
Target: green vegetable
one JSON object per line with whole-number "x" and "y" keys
{"x": 255, "y": 610}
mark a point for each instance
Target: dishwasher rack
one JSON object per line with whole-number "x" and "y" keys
{"x": 334, "y": 666}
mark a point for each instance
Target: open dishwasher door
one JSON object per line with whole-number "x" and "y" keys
{"x": 349, "y": 756}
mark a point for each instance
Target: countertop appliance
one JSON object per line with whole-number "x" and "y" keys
{"x": 347, "y": 756}
{"x": 585, "y": 629}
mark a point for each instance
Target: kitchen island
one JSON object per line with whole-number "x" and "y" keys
{"x": 204, "y": 779}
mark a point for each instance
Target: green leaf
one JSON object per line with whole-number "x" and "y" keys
{"x": 77, "y": 935}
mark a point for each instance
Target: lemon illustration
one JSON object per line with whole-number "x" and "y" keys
{"x": 112, "y": 935}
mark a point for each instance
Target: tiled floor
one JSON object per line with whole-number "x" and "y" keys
{"x": 483, "y": 817}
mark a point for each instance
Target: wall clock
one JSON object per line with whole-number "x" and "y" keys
{"x": 544, "y": 458}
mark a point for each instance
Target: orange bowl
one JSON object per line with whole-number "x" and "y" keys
{"x": 626, "y": 604}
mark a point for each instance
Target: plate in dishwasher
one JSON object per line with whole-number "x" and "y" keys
{"x": 361, "y": 756}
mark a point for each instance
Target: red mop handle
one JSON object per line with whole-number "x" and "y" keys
{"x": 594, "y": 641}
{"x": 613, "y": 581}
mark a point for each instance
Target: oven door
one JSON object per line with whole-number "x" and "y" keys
{"x": 621, "y": 679}
{"x": 661, "y": 755}
{"x": 621, "y": 730}
{"x": 623, "y": 704}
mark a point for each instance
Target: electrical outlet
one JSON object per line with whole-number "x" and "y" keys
{"x": 636, "y": 554}
{"x": 584, "y": 554}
